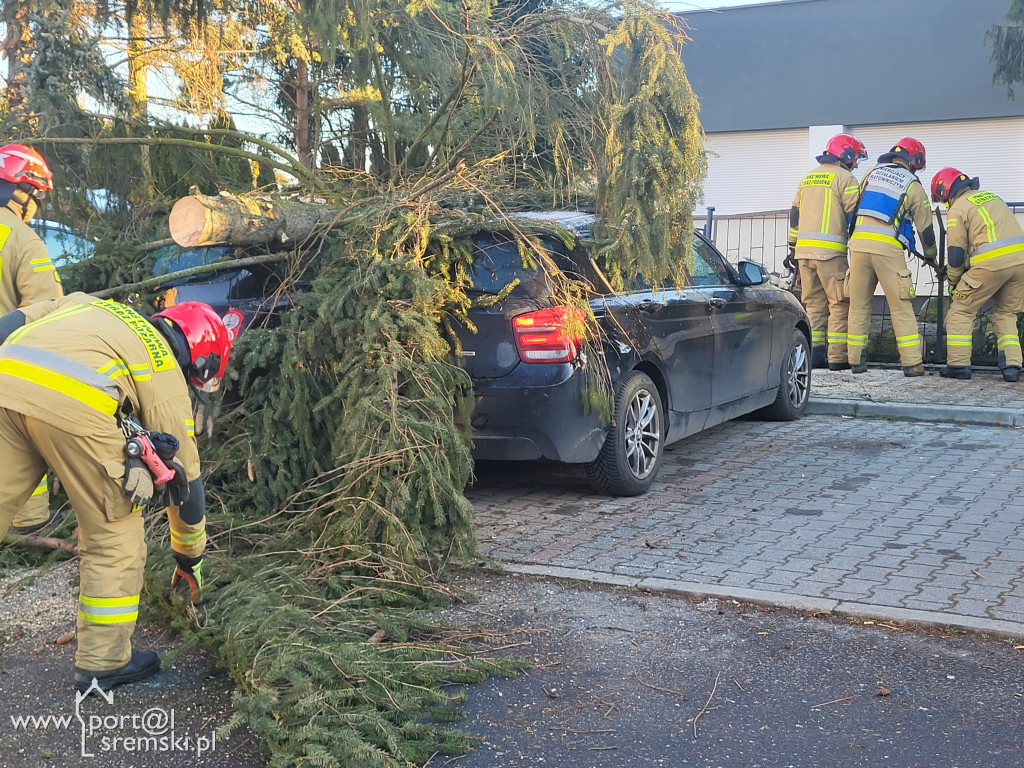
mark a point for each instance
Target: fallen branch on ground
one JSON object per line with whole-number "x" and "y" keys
{"x": 40, "y": 542}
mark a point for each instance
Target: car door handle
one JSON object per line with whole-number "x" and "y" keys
{"x": 716, "y": 302}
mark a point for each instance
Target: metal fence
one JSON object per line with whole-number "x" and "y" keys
{"x": 762, "y": 237}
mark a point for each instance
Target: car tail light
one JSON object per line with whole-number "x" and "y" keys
{"x": 233, "y": 321}
{"x": 541, "y": 336}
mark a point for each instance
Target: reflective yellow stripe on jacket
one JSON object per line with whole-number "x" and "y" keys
{"x": 870, "y": 231}
{"x": 160, "y": 355}
{"x": 58, "y": 382}
{"x": 997, "y": 248}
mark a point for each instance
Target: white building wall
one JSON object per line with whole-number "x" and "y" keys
{"x": 758, "y": 171}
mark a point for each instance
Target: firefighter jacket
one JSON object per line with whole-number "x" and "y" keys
{"x": 985, "y": 229}
{"x": 892, "y": 203}
{"x": 27, "y": 275}
{"x": 824, "y": 202}
{"x": 78, "y": 359}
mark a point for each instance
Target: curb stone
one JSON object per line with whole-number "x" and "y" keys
{"x": 866, "y": 611}
{"x": 987, "y": 416}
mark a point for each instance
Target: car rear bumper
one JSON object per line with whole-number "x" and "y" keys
{"x": 536, "y": 412}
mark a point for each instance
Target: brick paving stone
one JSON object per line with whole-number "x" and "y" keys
{"x": 914, "y": 571}
{"x": 912, "y": 515}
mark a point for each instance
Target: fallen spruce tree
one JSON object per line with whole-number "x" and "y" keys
{"x": 335, "y": 480}
{"x": 336, "y": 470}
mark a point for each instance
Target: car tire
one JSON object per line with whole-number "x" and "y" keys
{"x": 794, "y": 382}
{"x": 633, "y": 448}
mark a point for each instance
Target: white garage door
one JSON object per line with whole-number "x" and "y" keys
{"x": 990, "y": 149}
{"x": 754, "y": 171}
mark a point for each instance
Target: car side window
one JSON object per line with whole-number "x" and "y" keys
{"x": 706, "y": 268}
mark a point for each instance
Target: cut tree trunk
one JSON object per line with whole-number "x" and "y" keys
{"x": 200, "y": 220}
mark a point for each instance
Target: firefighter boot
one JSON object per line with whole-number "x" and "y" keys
{"x": 955, "y": 372}
{"x": 1011, "y": 373}
{"x": 56, "y": 518}
{"x": 819, "y": 357}
{"x": 843, "y": 366}
{"x": 142, "y": 664}
{"x": 913, "y": 371}
{"x": 862, "y": 366}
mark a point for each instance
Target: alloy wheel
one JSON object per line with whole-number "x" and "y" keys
{"x": 643, "y": 434}
{"x": 798, "y": 376}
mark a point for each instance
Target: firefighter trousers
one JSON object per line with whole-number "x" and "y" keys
{"x": 824, "y": 298}
{"x": 977, "y": 286}
{"x": 867, "y": 270}
{"x": 37, "y": 509}
{"x": 111, "y": 543}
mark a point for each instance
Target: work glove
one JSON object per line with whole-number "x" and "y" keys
{"x": 189, "y": 570}
{"x": 790, "y": 261}
{"x": 165, "y": 445}
{"x": 176, "y": 489}
{"x": 138, "y": 482}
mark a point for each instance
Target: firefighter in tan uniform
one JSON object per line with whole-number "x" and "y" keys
{"x": 73, "y": 371}
{"x": 985, "y": 246}
{"x": 892, "y": 203}
{"x": 818, "y": 231}
{"x": 26, "y": 276}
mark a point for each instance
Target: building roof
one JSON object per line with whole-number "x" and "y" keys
{"x": 796, "y": 63}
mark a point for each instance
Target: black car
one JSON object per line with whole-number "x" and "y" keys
{"x": 676, "y": 361}
{"x": 680, "y": 360}
{"x": 242, "y": 295}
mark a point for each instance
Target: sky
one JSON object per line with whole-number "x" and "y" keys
{"x": 681, "y": 6}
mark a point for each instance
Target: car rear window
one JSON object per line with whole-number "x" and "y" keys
{"x": 63, "y": 246}
{"x": 174, "y": 259}
{"x": 497, "y": 263}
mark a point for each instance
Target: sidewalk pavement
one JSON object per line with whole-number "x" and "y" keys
{"x": 915, "y": 517}
{"x": 983, "y": 400}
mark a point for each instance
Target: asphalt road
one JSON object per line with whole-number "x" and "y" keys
{"x": 663, "y": 642}
{"x": 625, "y": 678}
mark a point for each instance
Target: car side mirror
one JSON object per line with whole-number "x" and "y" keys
{"x": 751, "y": 273}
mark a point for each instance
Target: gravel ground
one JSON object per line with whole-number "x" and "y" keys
{"x": 39, "y": 605}
{"x": 39, "y": 723}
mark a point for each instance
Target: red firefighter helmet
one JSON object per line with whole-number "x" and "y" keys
{"x": 208, "y": 341}
{"x": 947, "y": 182}
{"x": 20, "y": 163}
{"x": 910, "y": 149}
{"x": 846, "y": 148}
